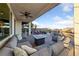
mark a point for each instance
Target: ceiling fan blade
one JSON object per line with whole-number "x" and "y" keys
{"x": 31, "y": 16}
{"x": 22, "y": 12}
{"x": 21, "y": 15}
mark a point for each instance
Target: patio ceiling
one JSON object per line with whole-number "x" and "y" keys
{"x": 36, "y": 10}
{"x": 4, "y": 12}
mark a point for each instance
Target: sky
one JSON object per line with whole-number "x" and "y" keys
{"x": 59, "y": 17}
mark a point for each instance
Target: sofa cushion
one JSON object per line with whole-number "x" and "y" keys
{"x": 35, "y": 54}
{"x": 19, "y": 52}
{"x": 12, "y": 43}
{"x": 5, "y": 51}
{"x": 28, "y": 49}
{"x": 42, "y": 52}
{"x": 57, "y": 47}
{"x": 40, "y": 47}
{"x": 44, "y": 45}
{"x": 24, "y": 43}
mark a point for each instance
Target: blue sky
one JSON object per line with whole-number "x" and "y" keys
{"x": 57, "y": 18}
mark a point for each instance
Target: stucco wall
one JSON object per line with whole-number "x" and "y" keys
{"x": 76, "y": 23}
{"x": 76, "y": 28}
{"x": 18, "y": 29}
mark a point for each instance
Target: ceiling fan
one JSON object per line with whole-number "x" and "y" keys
{"x": 26, "y": 14}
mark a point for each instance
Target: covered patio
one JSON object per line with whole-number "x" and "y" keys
{"x": 20, "y": 16}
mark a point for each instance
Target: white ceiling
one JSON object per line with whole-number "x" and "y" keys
{"x": 36, "y": 9}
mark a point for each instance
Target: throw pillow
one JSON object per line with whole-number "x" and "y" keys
{"x": 19, "y": 52}
{"x": 28, "y": 49}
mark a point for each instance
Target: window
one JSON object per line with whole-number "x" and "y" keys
{"x": 5, "y": 21}
{"x": 4, "y": 29}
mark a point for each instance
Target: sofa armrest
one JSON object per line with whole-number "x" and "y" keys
{"x": 57, "y": 48}
{"x": 5, "y": 51}
{"x": 64, "y": 52}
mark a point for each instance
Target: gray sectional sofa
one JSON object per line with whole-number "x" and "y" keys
{"x": 52, "y": 49}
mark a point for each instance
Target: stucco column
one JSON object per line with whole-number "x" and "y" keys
{"x": 18, "y": 29}
{"x": 29, "y": 28}
{"x": 76, "y": 28}
{"x": 10, "y": 24}
{"x": 13, "y": 23}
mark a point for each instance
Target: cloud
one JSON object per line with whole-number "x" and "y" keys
{"x": 57, "y": 23}
{"x": 39, "y": 25}
{"x": 57, "y": 19}
{"x": 69, "y": 17}
{"x": 67, "y": 7}
{"x": 36, "y": 23}
{"x": 60, "y": 23}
